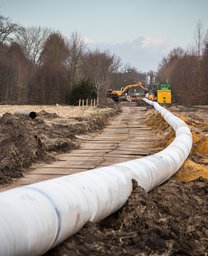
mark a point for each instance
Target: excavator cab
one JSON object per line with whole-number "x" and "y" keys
{"x": 113, "y": 95}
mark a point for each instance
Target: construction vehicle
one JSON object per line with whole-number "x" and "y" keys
{"x": 152, "y": 96}
{"x": 115, "y": 95}
{"x": 164, "y": 93}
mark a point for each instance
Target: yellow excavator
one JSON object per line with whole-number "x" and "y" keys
{"x": 115, "y": 95}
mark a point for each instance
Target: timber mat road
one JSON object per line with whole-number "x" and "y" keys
{"x": 126, "y": 137}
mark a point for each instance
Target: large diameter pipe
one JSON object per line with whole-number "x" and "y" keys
{"x": 37, "y": 217}
{"x": 26, "y": 113}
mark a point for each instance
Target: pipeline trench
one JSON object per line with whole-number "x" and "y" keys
{"x": 170, "y": 220}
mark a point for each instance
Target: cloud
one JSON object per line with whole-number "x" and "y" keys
{"x": 88, "y": 40}
{"x": 153, "y": 42}
{"x": 143, "y": 52}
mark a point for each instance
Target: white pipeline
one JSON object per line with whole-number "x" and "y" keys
{"x": 37, "y": 217}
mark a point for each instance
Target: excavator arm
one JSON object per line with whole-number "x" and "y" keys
{"x": 139, "y": 84}
{"x": 116, "y": 94}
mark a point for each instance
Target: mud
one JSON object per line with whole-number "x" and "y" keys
{"x": 24, "y": 141}
{"x": 171, "y": 220}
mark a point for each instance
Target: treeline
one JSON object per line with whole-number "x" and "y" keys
{"x": 41, "y": 66}
{"x": 187, "y": 71}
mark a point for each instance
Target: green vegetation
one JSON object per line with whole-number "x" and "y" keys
{"x": 83, "y": 90}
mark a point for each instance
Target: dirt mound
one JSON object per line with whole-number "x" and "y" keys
{"x": 109, "y": 103}
{"x": 24, "y": 141}
{"x": 197, "y": 163}
{"x": 19, "y": 147}
{"x": 155, "y": 120}
{"x": 201, "y": 146}
{"x": 191, "y": 171}
{"x": 165, "y": 133}
{"x": 45, "y": 114}
{"x": 171, "y": 220}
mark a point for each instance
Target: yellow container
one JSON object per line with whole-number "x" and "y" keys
{"x": 164, "y": 96}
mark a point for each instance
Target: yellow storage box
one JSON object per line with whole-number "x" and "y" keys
{"x": 164, "y": 96}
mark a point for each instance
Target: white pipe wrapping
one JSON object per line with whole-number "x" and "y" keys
{"x": 37, "y": 217}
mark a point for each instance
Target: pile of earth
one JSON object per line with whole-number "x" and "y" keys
{"x": 171, "y": 220}
{"x": 24, "y": 141}
{"x": 197, "y": 163}
{"x": 165, "y": 133}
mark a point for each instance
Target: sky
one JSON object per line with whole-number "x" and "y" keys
{"x": 140, "y": 32}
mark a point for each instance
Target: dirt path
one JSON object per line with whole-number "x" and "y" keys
{"x": 125, "y": 138}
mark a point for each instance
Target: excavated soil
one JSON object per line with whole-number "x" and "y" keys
{"x": 197, "y": 163}
{"x": 24, "y": 141}
{"x": 170, "y": 220}
{"x": 197, "y": 119}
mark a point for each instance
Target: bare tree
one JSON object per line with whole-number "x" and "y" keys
{"x": 55, "y": 50}
{"x": 126, "y": 75}
{"x": 53, "y": 73}
{"x": 32, "y": 40}
{"x": 77, "y": 47}
{"x": 7, "y": 29}
{"x": 168, "y": 63}
{"x": 15, "y": 73}
{"x": 22, "y": 73}
{"x": 204, "y": 69}
{"x": 186, "y": 71}
{"x": 99, "y": 67}
{"x": 198, "y": 39}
